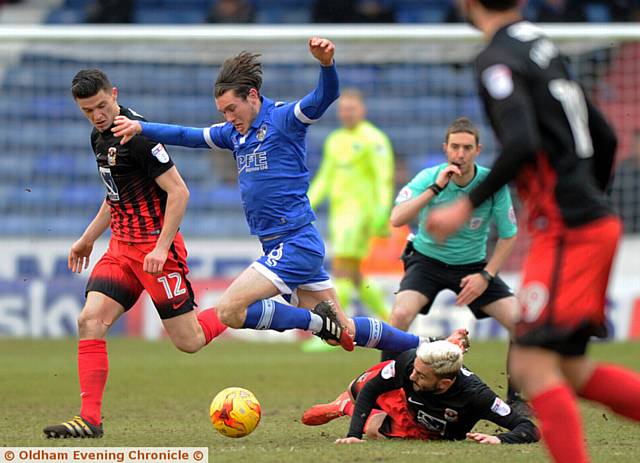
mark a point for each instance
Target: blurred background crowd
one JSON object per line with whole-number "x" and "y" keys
{"x": 312, "y": 11}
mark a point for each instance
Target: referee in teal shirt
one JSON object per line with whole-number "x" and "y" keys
{"x": 460, "y": 263}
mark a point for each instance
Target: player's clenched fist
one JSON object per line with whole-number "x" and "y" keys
{"x": 322, "y": 50}
{"x": 154, "y": 261}
{"x": 125, "y": 128}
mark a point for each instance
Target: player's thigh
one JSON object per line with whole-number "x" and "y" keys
{"x": 171, "y": 290}
{"x": 98, "y": 315}
{"x": 406, "y": 306}
{"x": 504, "y": 311}
{"x": 535, "y": 369}
{"x": 250, "y": 286}
{"x": 185, "y": 331}
{"x": 578, "y": 370}
{"x": 113, "y": 276}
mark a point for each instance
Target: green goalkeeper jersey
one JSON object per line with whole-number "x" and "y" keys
{"x": 469, "y": 244}
{"x": 356, "y": 176}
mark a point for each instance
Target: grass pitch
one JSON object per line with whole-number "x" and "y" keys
{"x": 157, "y": 396}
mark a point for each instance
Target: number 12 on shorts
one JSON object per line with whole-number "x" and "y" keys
{"x": 177, "y": 290}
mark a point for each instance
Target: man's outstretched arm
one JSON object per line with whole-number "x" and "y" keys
{"x": 167, "y": 134}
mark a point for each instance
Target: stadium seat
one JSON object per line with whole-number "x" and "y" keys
{"x": 422, "y": 14}
{"x": 176, "y": 14}
{"x": 598, "y": 12}
{"x": 66, "y": 16}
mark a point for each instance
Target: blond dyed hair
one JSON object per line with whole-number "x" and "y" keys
{"x": 444, "y": 357}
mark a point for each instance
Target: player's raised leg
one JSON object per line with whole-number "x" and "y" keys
{"x": 191, "y": 331}
{"x": 366, "y": 331}
{"x": 611, "y": 385}
{"x": 247, "y": 303}
{"x": 96, "y": 318}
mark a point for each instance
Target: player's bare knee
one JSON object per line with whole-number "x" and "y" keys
{"x": 401, "y": 317}
{"x": 188, "y": 346}
{"x": 230, "y": 315}
{"x": 90, "y": 325}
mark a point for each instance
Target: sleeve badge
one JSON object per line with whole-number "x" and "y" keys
{"x": 160, "y": 153}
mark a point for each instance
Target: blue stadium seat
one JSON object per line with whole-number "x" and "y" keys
{"x": 66, "y": 16}
{"x": 176, "y": 14}
{"x": 598, "y": 12}
{"x": 15, "y": 168}
{"x": 215, "y": 224}
{"x": 78, "y": 4}
{"x": 219, "y": 197}
{"x": 83, "y": 196}
{"x": 422, "y": 14}
{"x": 281, "y": 14}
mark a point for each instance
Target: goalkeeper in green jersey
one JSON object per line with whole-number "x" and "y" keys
{"x": 356, "y": 177}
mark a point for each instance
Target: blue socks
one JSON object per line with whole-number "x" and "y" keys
{"x": 267, "y": 314}
{"x": 380, "y": 335}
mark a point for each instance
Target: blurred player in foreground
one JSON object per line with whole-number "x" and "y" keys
{"x": 425, "y": 394}
{"x": 560, "y": 150}
{"x": 267, "y": 139}
{"x": 146, "y": 200}
{"x": 460, "y": 263}
{"x": 356, "y": 176}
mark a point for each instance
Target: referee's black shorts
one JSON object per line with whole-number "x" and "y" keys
{"x": 429, "y": 276}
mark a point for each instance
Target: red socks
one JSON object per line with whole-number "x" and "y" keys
{"x": 93, "y": 366}
{"x": 211, "y": 324}
{"x": 615, "y": 387}
{"x": 557, "y": 410}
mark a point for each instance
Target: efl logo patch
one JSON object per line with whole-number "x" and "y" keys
{"x": 500, "y": 408}
{"x": 512, "y": 215}
{"x": 160, "y": 153}
{"x": 404, "y": 195}
{"x": 389, "y": 371}
{"x": 498, "y": 81}
{"x": 475, "y": 223}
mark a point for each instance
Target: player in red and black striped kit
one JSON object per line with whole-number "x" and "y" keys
{"x": 560, "y": 150}
{"x": 146, "y": 200}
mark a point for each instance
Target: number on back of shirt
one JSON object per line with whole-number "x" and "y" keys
{"x": 570, "y": 96}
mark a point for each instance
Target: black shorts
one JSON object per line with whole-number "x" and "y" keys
{"x": 568, "y": 343}
{"x": 429, "y": 276}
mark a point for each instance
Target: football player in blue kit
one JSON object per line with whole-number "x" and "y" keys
{"x": 267, "y": 139}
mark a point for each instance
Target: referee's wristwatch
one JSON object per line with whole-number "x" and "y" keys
{"x": 487, "y": 276}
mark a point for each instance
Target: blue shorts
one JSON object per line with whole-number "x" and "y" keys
{"x": 295, "y": 261}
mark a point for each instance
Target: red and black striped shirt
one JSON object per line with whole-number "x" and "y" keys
{"x": 128, "y": 173}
